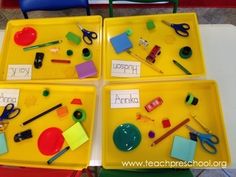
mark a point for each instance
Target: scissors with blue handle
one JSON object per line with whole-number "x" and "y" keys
{"x": 88, "y": 36}
{"x": 9, "y": 112}
{"x": 181, "y": 29}
{"x": 208, "y": 141}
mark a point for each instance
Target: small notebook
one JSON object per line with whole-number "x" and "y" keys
{"x": 183, "y": 149}
{"x": 3, "y": 144}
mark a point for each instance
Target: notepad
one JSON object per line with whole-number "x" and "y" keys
{"x": 121, "y": 43}
{"x": 183, "y": 149}
{"x": 3, "y": 144}
{"x": 75, "y": 136}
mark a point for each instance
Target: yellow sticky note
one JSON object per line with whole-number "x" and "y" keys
{"x": 75, "y": 136}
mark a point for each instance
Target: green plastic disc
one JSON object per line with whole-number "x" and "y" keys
{"x": 126, "y": 137}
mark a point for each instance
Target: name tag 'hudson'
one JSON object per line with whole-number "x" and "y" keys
{"x": 125, "y": 68}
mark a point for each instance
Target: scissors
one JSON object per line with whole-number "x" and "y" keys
{"x": 9, "y": 112}
{"x": 88, "y": 36}
{"x": 208, "y": 141}
{"x": 181, "y": 29}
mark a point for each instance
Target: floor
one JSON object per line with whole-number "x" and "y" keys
{"x": 205, "y": 16}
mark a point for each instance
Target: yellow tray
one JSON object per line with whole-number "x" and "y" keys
{"x": 208, "y": 111}
{"x": 32, "y": 102}
{"x": 163, "y": 36}
{"x": 51, "y": 29}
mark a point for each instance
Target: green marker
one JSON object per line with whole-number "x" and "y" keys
{"x": 58, "y": 155}
{"x": 42, "y": 45}
{"x": 182, "y": 68}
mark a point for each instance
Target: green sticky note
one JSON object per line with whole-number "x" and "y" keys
{"x": 75, "y": 136}
{"x": 183, "y": 149}
{"x": 3, "y": 144}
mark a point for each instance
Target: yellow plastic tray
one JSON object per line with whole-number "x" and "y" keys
{"x": 51, "y": 29}
{"x": 208, "y": 111}
{"x": 32, "y": 102}
{"x": 163, "y": 36}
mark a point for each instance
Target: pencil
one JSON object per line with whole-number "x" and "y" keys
{"x": 42, "y": 45}
{"x": 58, "y": 155}
{"x": 182, "y": 67}
{"x": 144, "y": 62}
{"x": 41, "y": 114}
{"x": 170, "y": 132}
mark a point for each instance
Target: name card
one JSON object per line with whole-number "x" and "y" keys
{"x": 125, "y": 68}
{"x": 19, "y": 72}
{"x": 9, "y": 96}
{"x": 125, "y": 98}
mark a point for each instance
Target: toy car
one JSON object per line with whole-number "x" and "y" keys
{"x": 153, "y": 104}
{"x": 156, "y": 50}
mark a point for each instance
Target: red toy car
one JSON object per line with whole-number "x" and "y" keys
{"x": 156, "y": 50}
{"x": 153, "y": 104}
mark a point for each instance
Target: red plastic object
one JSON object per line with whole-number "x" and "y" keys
{"x": 166, "y": 123}
{"x": 25, "y": 37}
{"x": 76, "y": 101}
{"x": 156, "y": 50}
{"x": 153, "y": 104}
{"x": 50, "y": 141}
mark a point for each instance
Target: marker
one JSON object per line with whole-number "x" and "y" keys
{"x": 182, "y": 67}
{"x": 58, "y": 155}
{"x": 41, "y": 114}
{"x": 42, "y": 45}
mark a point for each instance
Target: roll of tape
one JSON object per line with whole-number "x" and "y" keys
{"x": 79, "y": 115}
{"x": 185, "y": 52}
{"x": 87, "y": 54}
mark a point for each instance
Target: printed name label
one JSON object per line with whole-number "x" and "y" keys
{"x": 19, "y": 72}
{"x": 125, "y": 98}
{"x": 9, "y": 96}
{"x": 125, "y": 68}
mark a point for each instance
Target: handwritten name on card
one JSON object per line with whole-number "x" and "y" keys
{"x": 125, "y": 68}
{"x": 9, "y": 96}
{"x": 125, "y": 98}
{"x": 19, "y": 72}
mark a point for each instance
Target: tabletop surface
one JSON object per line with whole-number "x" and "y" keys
{"x": 219, "y": 52}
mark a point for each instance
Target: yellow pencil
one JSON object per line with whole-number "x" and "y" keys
{"x": 144, "y": 62}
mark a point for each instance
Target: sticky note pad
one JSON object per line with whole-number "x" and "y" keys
{"x": 121, "y": 43}
{"x": 86, "y": 69}
{"x": 3, "y": 144}
{"x": 183, "y": 149}
{"x": 75, "y": 136}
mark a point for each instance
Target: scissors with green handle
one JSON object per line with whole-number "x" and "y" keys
{"x": 208, "y": 141}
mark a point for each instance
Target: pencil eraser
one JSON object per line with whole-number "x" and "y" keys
{"x": 86, "y": 69}
{"x": 73, "y": 38}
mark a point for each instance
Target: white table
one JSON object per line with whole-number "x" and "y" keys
{"x": 219, "y": 45}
